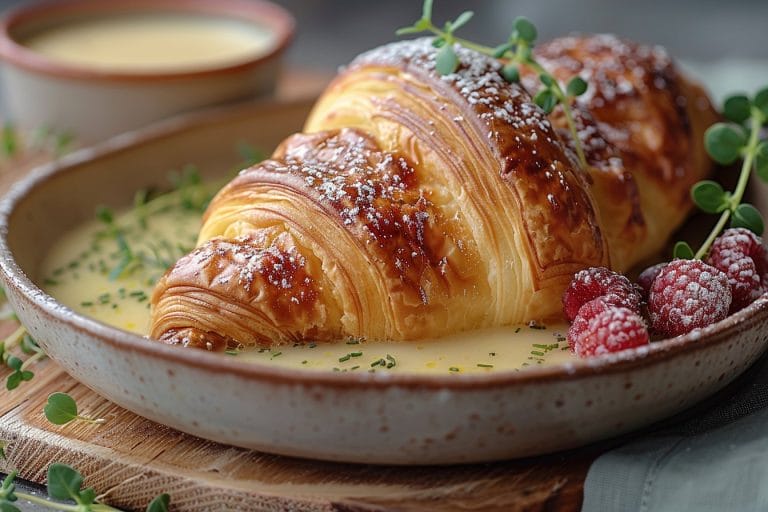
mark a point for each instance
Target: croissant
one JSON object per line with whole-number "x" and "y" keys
{"x": 416, "y": 205}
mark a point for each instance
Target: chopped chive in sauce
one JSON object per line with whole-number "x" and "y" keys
{"x": 484, "y": 365}
{"x": 453, "y": 369}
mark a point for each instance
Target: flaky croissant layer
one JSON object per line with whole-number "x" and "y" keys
{"x": 416, "y": 205}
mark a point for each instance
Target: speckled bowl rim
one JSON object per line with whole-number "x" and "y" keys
{"x": 279, "y": 21}
{"x": 12, "y": 275}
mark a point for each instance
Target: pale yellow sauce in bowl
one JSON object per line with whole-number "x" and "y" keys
{"x": 156, "y": 41}
{"x": 83, "y": 271}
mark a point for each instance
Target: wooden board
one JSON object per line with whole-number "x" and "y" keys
{"x": 129, "y": 459}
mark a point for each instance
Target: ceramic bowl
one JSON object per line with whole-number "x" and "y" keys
{"x": 367, "y": 417}
{"x": 95, "y": 103}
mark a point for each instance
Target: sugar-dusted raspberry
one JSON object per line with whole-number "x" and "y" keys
{"x": 742, "y": 256}
{"x": 686, "y": 295}
{"x": 595, "y": 282}
{"x": 647, "y": 276}
{"x": 600, "y": 328}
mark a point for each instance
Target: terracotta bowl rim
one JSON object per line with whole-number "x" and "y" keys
{"x": 13, "y": 277}
{"x": 263, "y": 12}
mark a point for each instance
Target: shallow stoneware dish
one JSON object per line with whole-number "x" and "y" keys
{"x": 94, "y": 102}
{"x": 367, "y": 417}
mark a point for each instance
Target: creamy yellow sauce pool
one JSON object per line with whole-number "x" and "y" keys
{"x": 152, "y": 42}
{"x": 86, "y": 271}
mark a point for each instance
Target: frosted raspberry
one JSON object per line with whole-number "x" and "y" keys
{"x": 647, "y": 276}
{"x": 596, "y": 282}
{"x": 742, "y": 256}
{"x": 600, "y": 328}
{"x": 688, "y": 294}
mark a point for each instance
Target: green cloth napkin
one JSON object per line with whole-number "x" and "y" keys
{"x": 716, "y": 461}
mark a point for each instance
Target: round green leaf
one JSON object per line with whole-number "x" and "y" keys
{"x": 8, "y": 507}
{"x": 13, "y": 381}
{"x": 761, "y": 161}
{"x": 746, "y": 216}
{"x": 438, "y": 42}
{"x": 500, "y": 50}
{"x": 709, "y": 196}
{"x": 60, "y": 409}
{"x": 64, "y": 482}
{"x": 737, "y": 108}
{"x": 462, "y": 20}
{"x": 446, "y": 61}
{"x": 161, "y": 503}
{"x": 511, "y": 73}
{"x": 547, "y": 79}
{"x": 761, "y": 101}
{"x": 525, "y": 29}
{"x": 27, "y": 375}
{"x": 724, "y": 142}
{"x": 546, "y": 100}
{"x": 14, "y": 363}
{"x": 682, "y": 251}
{"x": 576, "y": 87}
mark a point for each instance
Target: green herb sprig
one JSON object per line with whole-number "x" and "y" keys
{"x": 62, "y": 409}
{"x": 516, "y": 51}
{"x": 727, "y": 142}
{"x": 65, "y": 485}
{"x": 20, "y": 372}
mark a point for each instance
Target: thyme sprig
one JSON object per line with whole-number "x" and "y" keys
{"x": 65, "y": 485}
{"x": 727, "y": 142}
{"x": 515, "y": 52}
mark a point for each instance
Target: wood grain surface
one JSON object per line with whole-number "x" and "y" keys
{"x": 129, "y": 460}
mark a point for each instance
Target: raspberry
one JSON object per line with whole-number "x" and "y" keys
{"x": 742, "y": 256}
{"x": 595, "y": 282}
{"x": 601, "y": 328}
{"x": 647, "y": 276}
{"x": 688, "y": 294}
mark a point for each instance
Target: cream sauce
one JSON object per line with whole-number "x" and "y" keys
{"x": 78, "y": 274}
{"x": 152, "y": 42}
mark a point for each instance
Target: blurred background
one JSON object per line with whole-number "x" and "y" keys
{"x": 703, "y": 33}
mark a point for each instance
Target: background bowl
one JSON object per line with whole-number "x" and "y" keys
{"x": 353, "y": 417}
{"x": 94, "y": 103}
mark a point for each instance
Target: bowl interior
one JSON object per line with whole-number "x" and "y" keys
{"x": 28, "y": 21}
{"x": 110, "y": 174}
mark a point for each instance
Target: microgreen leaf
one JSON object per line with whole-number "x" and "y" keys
{"x": 709, "y": 196}
{"x": 737, "y": 108}
{"x": 761, "y": 161}
{"x": 525, "y": 29}
{"x": 6, "y": 506}
{"x": 747, "y": 216}
{"x": 682, "y": 251}
{"x": 576, "y": 87}
{"x": 724, "y": 142}
{"x": 60, "y": 409}
{"x": 545, "y": 99}
{"x": 105, "y": 215}
{"x": 500, "y": 50}
{"x": 438, "y": 42}
{"x": 64, "y": 482}
{"x": 547, "y": 79}
{"x": 511, "y": 73}
{"x": 14, "y": 363}
{"x": 13, "y": 381}
{"x": 446, "y": 60}
{"x": 161, "y": 503}
{"x": 761, "y": 102}
{"x": 462, "y": 20}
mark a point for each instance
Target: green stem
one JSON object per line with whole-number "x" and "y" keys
{"x": 741, "y": 185}
{"x": 13, "y": 340}
{"x": 29, "y": 362}
{"x": 45, "y": 503}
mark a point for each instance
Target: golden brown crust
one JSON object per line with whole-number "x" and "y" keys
{"x": 414, "y": 205}
{"x": 642, "y": 124}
